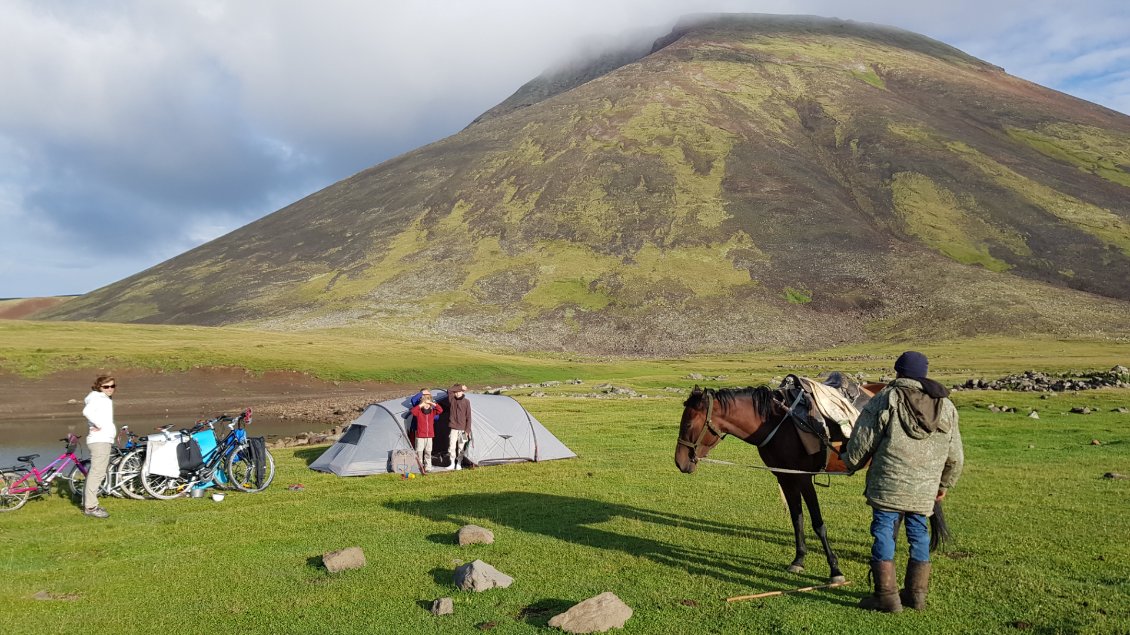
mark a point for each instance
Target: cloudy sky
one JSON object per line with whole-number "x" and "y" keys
{"x": 133, "y": 130}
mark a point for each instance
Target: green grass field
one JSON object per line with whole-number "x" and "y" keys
{"x": 1041, "y": 537}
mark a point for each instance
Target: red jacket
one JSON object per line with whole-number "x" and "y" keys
{"x": 425, "y": 421}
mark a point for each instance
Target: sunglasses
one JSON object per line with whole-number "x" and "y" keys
{"x": 110, "y": 386}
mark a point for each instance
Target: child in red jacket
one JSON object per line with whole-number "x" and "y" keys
{"x": 425, "y": 412}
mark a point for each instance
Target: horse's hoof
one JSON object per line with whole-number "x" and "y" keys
{"x": 795, "y": 568}
{"x": 837, "y": 579}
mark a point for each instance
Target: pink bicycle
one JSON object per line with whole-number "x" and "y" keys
{"x": 19, "y": 483}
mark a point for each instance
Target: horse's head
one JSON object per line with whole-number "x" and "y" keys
{"x": 697, "y": 430}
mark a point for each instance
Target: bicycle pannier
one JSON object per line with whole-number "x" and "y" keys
{"x": 189, "y": 456}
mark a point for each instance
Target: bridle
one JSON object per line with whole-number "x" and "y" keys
{"x": 708, "y": 425}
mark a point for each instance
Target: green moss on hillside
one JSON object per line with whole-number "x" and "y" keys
{"x": 1091, "y": 149}
{"x": 798, "y": 296}
{"x": 868, "y": 74}
{"x": 692, "y": 148}
{"x": 1094, "y": 220}
{"x": 934, "y": 215}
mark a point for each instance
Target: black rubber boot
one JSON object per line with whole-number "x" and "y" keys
{"x": 886, "y": 595}
{"x": 917, "y": 585}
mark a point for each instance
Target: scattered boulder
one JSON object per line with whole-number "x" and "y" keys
{"x": 475, "y": 535}
{"x": 443, "y": 606}
{"x": 1120, "y": 409}
{"x": 1096, "y": 442}
{"x": 479, "y": 576}
{"x": 993, "y": 408}
{"x": 1033, "y": 415}
{"x": 343, "y": 559}
{"x": 1081, "y": 410}
{"x": 1114, "y": 475}
{"x": 594, "y": 615}
{"x": 1035, "y": 381}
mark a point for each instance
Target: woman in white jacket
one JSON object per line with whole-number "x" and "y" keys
{"x": 99, "y": 413}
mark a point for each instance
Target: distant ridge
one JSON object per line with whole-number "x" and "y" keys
{"x": 748, "y": 181}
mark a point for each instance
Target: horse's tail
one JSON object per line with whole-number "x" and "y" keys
{"x": 939, "y": 530}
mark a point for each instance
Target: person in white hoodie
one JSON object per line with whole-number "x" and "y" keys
{"x": 99, "y": 413}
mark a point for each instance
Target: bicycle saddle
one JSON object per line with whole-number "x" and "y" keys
{"x": 27, "y": 459}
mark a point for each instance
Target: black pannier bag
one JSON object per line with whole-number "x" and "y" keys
{"x": 189, "y": 457}
{"x": 258, "y": 449}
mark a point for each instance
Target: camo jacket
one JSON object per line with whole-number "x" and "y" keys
{"x": 909, "y": 462}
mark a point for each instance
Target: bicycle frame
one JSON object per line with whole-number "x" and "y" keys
{"x": 212, "y": 470}
{"x": 43, "y": 478}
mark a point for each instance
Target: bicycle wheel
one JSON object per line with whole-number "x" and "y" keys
{"x": 129, "y": 474}
{"x": 76, "y": 479}
{"x": 10, "y": 502}
{"x": 163, "y": 487}
{"x": 111, "y": 485}
{"x": 243, "y": 473}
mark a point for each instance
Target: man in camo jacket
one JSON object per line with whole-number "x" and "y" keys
{"x": 909, "y": 432}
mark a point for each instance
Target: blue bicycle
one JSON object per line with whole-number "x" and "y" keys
{"x": 237, "y": 461}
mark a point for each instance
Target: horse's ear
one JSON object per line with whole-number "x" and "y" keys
{"x": 696, "y": 390}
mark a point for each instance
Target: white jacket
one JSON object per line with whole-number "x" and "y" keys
{"x": 99, "y": 412}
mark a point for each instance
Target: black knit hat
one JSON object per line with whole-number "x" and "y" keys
{"x": 912, "y": 364}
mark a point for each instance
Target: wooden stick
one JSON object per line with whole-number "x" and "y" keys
{"x": 773, "y": 593}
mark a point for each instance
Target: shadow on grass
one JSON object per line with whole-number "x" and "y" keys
{"x": 443, "y": 539}
{"x": 309, "y": 455}
{"x": 315, "y": 562}
{"x": 443, "y": 577}
{"x": 577, "y": 520}
{"x": 539, "y": 613}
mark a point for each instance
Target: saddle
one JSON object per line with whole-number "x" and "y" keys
{"x": 823, "y": 413}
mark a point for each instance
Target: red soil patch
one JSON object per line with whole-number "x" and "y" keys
{"x": 23, "y": 308}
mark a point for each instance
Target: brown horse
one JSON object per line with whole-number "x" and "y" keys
{"x": 759, "y": 416}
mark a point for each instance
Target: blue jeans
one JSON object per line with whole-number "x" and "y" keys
{"x": 883, "y": 531}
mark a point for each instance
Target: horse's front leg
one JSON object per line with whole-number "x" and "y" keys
{"x": 796, "y": 514}
{"x": 808, "y": 491}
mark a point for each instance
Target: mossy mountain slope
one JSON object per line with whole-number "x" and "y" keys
{"x": 753, "y": 181}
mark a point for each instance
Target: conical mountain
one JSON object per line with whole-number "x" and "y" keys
{"x": 751, "y": 181}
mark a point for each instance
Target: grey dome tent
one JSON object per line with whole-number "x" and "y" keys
{"x": 504, "y": 432}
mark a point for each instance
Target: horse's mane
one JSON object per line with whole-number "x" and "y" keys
{"x": 762, "y": 397}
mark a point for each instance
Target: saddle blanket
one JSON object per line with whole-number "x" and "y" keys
{"x": 831, "y": 405}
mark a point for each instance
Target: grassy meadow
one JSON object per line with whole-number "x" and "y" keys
{"x": 1040, "y": 536}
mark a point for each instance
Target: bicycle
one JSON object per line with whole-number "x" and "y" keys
{"x": 250, "y": 467}
{"x": 235, "y": 461}
{"x": 21, "y": 482}
{"x": 121, "y": 472}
